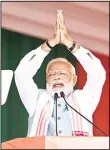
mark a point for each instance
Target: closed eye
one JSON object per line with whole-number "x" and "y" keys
{"x": 62, "y": 73}
{"x": 50, "y": 75}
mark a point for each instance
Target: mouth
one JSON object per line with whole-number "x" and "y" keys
{"x": 55, "y": 85}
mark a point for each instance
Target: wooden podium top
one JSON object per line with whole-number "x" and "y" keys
{"x": 25, "y": 143}
{"x": 77, "y": 142}
{"x": 57, "y": 143}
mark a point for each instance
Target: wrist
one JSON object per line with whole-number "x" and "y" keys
{"x": 71, "y": 45}
{"x": 52, "y": 42}
{"x": 68, "y": 42}
{"x": 45, "y": 48}
{"x": 48, "y": 45}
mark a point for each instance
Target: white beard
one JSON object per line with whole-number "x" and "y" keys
{"x": 67, "y": 89}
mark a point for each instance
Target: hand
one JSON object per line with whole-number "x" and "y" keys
{"x": 55, "y": 39}
{"x": 65, "y": 38}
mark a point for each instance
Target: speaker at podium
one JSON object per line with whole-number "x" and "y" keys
{"x": 6, "y": 79}
{"x": 47, "y": 142}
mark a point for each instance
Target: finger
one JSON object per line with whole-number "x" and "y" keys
{"x": 60, "y": 13}
{"x": 62, "y": 17}
{"x": 62, "y": 25}
{"x": 58, "y": 30}
{"x": 62, "y": 21}
{"x": 55, "y": 28}
{"x": 57, "y": 23}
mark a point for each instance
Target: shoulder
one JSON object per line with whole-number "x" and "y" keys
{"x": 41, "y": 91}
{"x": 79, "y": 96}
{"x": 77, "y": 93}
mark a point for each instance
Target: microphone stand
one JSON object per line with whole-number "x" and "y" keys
{"x": 56, "y": 96}
{"x": 63, "y": 95}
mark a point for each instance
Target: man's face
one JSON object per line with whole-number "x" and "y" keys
{"x": 59, "y": 78}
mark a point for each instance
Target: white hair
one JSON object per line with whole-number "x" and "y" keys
{"x": 62, "y": 60}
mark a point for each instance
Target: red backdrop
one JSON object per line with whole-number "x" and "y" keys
{"x": 101, "y": 114}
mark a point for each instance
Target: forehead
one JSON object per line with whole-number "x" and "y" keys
{"x": 59, "y": 65}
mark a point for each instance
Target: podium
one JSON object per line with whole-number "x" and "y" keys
{"x": 57, "y": 143}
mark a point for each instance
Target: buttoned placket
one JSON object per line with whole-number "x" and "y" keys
{"x": 60, "y": 108}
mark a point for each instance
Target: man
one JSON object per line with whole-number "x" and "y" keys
{"x": 60, "y": 76}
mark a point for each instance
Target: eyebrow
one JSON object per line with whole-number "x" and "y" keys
{"x": 57, "y": 71}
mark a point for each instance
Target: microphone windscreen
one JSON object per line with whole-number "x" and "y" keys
{"x": 56, "y": 95}
{"x": 62, "y": 94}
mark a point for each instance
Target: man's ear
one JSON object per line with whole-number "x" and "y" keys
{"x": 74, "y": 79}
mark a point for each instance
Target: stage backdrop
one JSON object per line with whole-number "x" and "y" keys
{"x": 13, "y": 113}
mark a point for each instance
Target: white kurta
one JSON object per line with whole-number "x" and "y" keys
{"x": 34, "y": 99}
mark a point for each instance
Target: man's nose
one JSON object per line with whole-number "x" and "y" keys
{"x": 57, "y": 76}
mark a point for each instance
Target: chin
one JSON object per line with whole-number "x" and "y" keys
{"x": 58, "y": 90}
{"x": 66, "y": 90}
{"x": 53, "y": 91}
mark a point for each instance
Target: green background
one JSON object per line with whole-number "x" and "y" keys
{"x": 14, "y": 47}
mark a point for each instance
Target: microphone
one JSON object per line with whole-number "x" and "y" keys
{"x": 55, "y": 97}
{"x": 63, "y": 95}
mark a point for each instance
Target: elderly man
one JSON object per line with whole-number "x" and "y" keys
{"x": 60, "y": 76}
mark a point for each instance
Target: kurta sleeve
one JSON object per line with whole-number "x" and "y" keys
{"x": 24, "y": 74}
{"x": 96, "y": 76}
